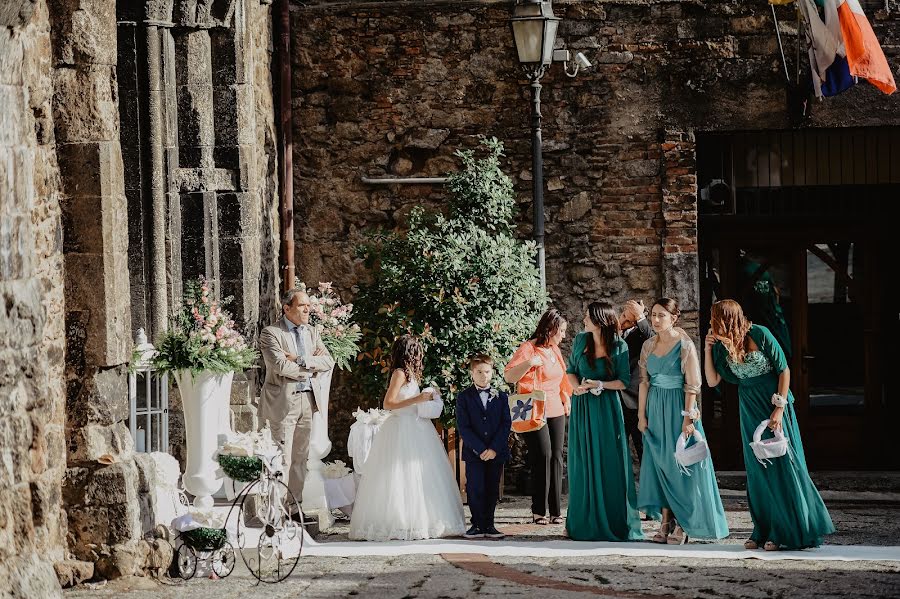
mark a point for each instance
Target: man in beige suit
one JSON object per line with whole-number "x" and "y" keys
{"x": 295, "y": 356}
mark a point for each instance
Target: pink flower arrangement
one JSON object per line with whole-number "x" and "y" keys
{"x": 334, "y": 322}
{"x": 203, "y": 336}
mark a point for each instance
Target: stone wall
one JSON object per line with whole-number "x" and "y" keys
{"x": 394, "y": 88}
{"x": 32, "y": 401}
{"x": 71, "y": 485}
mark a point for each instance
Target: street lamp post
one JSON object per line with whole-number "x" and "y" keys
{"x": 534, "y": 29}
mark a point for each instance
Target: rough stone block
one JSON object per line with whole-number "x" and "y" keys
{"x": 13, "y": 120}
{"x": 15, "y": 13}
{"x": 72, "y": 572}
{"x": 85, "y": 104}
{"x": 681, "y": 278}
{"x": 576, "y": 208}
{"x": 234, "y": 115}
{"x": 92, "y": 169}
{"x": 241, "y": 390}
{"x": 27, "y": 577}
{"x": 124, "y": 559}
{"x": 84, "y": 32}
{"x": 196, "y": 116}
{"x": 103, "y": 399}
{"x": 97, "y": 304}
{"x": 15, "y": 233}
{"x": 193, "y": 59}
{"x": 427, "y": 139}
{"x": 89, "y": 443}
{"x": 244, "y": 418}
{"x": 227, "y": 50}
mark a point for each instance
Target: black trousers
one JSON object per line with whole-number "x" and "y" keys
{"x": 483, "y": 490}
{"x": 545, "y": 458}
{"x": 631, "y": 429}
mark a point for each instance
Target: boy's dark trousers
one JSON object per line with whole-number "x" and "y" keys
{"x": 483, "y": 490}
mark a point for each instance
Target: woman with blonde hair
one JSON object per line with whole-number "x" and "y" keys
{"x": 786, "y": 508}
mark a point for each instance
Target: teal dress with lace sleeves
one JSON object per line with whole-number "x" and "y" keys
{"x": 785, "y": 505}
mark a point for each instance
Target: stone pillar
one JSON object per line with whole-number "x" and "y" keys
{"x": 680, "y": 264}
{"x": 101, "y": 484}
{"x": 32, "y": 342}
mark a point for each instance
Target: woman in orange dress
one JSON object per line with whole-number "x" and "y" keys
{"x": 538, "y": 365}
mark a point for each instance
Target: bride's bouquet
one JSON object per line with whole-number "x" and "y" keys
{"x": 334, "y": 322}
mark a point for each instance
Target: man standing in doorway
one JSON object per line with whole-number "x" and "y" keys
{"x": 635, "y": 329}
{"x": 295, "y": 356}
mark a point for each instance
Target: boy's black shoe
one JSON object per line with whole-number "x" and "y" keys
{"x": 491, "y": 532}
{"x": 474, "y": 533}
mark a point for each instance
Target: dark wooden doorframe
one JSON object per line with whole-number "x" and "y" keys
{"x": 865, "y": 436}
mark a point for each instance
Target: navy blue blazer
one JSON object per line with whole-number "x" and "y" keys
{"x": 482, "y": 428}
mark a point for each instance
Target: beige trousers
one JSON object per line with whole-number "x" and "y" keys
{"x": 293, "y": 435}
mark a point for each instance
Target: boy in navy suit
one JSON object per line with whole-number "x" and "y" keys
{"x": 483, "y": 422}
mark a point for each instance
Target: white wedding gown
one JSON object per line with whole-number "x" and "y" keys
{"x": 407, "y": 490}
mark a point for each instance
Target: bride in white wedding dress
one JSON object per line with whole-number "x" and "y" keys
{"x": 408, "y": 490}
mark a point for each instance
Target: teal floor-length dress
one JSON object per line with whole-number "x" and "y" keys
{"x": 785, "y": 505}
{"x": 601, "y": 485}
{"x": 693, "y": 496}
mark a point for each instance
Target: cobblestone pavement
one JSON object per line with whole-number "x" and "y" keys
{"x": 449, "y": 576}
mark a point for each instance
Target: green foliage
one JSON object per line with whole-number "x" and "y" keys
{"x": 202, "y": 336}
{"x": 463, "y": 283}
{"x": 244, "y": 469}
{"x": 205, "y": 539}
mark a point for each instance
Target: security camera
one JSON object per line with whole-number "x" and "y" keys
{"x": 582, "y": 60}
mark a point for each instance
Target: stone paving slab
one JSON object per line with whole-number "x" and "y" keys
{"x": 436, "y": 576}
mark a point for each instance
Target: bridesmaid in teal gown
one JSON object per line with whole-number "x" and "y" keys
{"x": 601, "y": 484}
{"x": 667, "y": 408}
{"x": 786, "y": 508}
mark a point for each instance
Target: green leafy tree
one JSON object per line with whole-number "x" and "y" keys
{"x": 462, "y": 282}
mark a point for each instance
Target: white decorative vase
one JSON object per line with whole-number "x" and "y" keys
{"x": 205, "y": 399}
{"x": 314, "y": 500}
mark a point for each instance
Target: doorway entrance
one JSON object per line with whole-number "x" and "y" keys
{"x": 812, "y": 263}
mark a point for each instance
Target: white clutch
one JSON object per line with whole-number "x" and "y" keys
{"x": 688, "y": 456}
{"x": 766, "y": 449}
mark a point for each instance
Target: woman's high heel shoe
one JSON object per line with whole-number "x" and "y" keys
{"x": 662, "y": 534}
{"x": 677, "y": 536}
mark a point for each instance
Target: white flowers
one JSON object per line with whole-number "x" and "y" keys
{"x": 250, "y": 444}
{"x": 336, "y": 469}
{"x": 197, "y": 518}
{"x": 374, "y": 416}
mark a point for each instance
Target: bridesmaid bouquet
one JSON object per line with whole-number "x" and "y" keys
{"x": 334, "y": 322}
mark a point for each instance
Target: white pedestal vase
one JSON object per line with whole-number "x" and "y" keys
{"x": 314, "y": 500}
{"x": 205, "y": 400}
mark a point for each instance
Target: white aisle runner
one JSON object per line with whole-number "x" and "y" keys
{"x": 562, "y": 548}
{"x": 559, "y": 548}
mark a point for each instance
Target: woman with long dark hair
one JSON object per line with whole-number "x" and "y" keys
{"x": 601, "y": 484}
{"x": 538, "y": 365}
{"x": 407, "y": 490}
{"x": 687, "y": 497}
{"x": 786, "y": 508}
